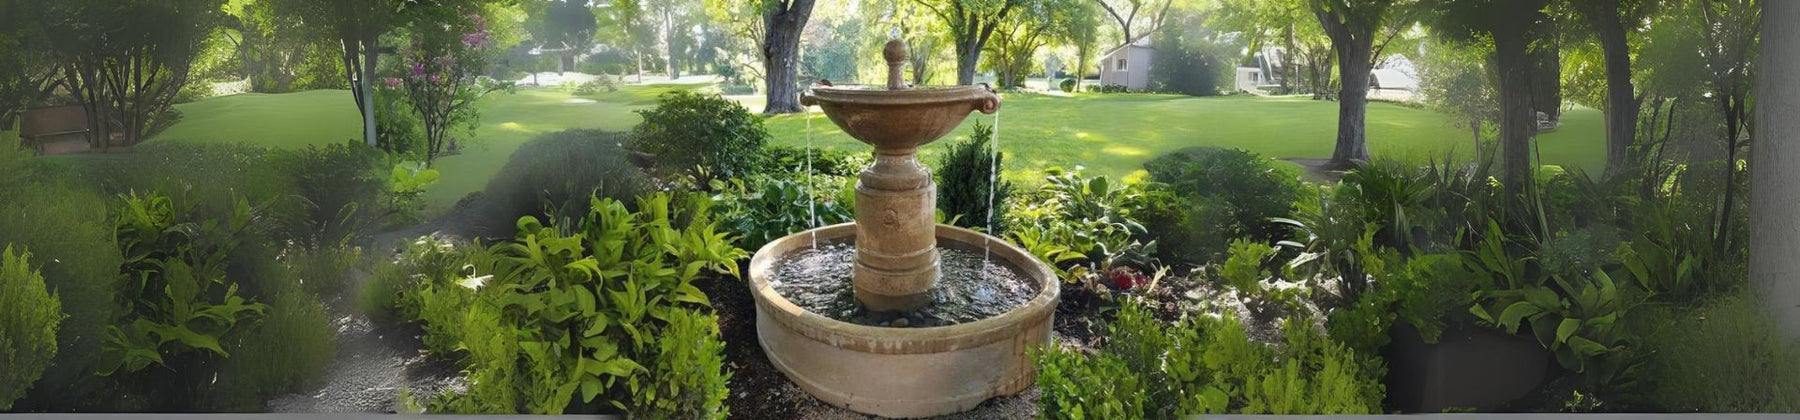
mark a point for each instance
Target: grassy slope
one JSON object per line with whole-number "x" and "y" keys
{"x": 1110, "y": 134}
{"x": 1115, "y": 134}
{"x": 299, "y": 119}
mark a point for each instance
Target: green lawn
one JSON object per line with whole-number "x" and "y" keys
{"x": 1114, "y": 134}
{"x": 1109, "y": 134}
{"x": 299, "y": 119}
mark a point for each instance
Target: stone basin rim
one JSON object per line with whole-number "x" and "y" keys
{"x": 891, "y": 340}
{"x": 875, "y": 95}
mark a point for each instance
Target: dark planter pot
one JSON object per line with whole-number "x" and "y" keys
{"x": 1469, "y": 368}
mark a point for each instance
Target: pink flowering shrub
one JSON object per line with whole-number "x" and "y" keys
{"x": 444, "y": 63}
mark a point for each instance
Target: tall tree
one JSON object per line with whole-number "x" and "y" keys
{"x": 1012, "y": 51}
{"x": 357, "y": 25}
{"x": 783, "y": 20}
{"x": 972, "y": 24}
{"x": 1083, "y": 34}
{"x": 1511, "y": 25}
{"x": 1612, "y": 21}
{"x": 1136, "y": 18}
{"x": 1359, "y": 29}
{"x": 627, "y": 25}
{"x": 1731, "y": 29}
{"x": 126, "y": 61}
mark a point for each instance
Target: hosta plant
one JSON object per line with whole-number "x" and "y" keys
{"x": 174, "y": 283}
{"x": 1579, "y": 319}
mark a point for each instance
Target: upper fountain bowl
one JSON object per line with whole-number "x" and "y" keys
{"x": 900, "y": 120}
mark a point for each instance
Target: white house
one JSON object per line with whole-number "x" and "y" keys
{"x": 1128, "y": 65}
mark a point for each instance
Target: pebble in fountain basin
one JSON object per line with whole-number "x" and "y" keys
{"x": 903, "y": 372}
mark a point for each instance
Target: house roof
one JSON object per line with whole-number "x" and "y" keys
{"x": 1140, "y": 43}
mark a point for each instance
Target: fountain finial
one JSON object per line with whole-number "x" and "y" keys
{"x": 895, "y": 53}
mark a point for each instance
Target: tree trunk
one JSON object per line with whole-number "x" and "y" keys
{"x": 968, "y": 55}
{"x": 1353, "y": 102}
{"x": 1546, "y": 76}
{"x": 371, "y": 50}
{"x": 1776, "y": 239}
{"x": 1622, "y": 105}
{"x": 1517, "y": 120}
{"x": 780, "y": 54}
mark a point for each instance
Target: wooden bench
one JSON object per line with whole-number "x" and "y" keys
{"x": 41, "y": 126}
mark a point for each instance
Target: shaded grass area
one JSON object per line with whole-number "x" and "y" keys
{"x": 1115, "y": 134}
{"x": 296, "y": 120}
{"x": 1109, "y": 134}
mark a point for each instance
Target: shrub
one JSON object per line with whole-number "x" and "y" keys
{"x": 966, "y": 188}
{"x": 788, "y": 160}
{"x": 1206, "y": 365}
{"x": 1433, "y": 292}
{"x": 180, "y": 301}
{"x": 1076, "y": 386}
{"x": 766, "y": 208}
{"x": 1722, "y": 357}
{"x": 583, "y": 308}
{"x": 1189, "y": 60}
{"x": 27, "y": 326}
{"x": 688, "y": 132}
{"x": 1067, "y": 85}
{"x": 688, "y": 377}
{"x": 400, "y": 131}
{"x": 289, "y": 349}
{"x": 559, "y": 171}
{"x": 1248, "y": 189}
{"x": 602, "y": 84}
{"x": 735, "y": 89}
{"x": 337, "y": 186}
{"x": 68, "y": 232}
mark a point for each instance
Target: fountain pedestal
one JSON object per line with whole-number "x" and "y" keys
{"x": 901, "y": 372}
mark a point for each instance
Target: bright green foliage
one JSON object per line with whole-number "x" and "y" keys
{"x": 1722, "y": 357}
{"x": 1208, "y": 365}
{"x": 1074, "y": 386}
{"x": 1073, "y": 217}
{"x": 688, "y": 131}
{"x": 1432, "y": 292}
{"x": 406, "y": 189}
{"x": 1393, "y": 193}
{"x": 1577, "y": 318}
{"x": 763, "y": 208}
{"x": 27, "y": 326}
{"x": 577, "y": 313}
{"x": 1244, "y": 269}
{"x": 688, "y": 377}
{"x": 966, "y": 182}
{"x": 69, "y": 235}
{"x": 176, "y": 285}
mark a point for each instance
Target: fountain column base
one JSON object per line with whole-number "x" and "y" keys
{"x": 896, "y": 245}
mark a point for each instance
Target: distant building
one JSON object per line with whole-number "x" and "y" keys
{"x": 1128, "y": 65}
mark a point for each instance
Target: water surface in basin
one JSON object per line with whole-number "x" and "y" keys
{"x": 970, "y": 287}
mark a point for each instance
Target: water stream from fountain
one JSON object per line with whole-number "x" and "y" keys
{"x": 993, "y": 181}
{"x": 812, "y": 215}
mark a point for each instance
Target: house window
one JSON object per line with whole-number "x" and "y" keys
{"x": 1120, "y": 66}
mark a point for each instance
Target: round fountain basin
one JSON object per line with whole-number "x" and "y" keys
{"x": 898, "y": 121}
{"x": 903, "y": 372}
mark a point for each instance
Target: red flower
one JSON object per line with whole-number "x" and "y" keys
{"x": 1126, "y": 278}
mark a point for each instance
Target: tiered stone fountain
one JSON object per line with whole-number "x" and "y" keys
{"x": 895, "y": 353}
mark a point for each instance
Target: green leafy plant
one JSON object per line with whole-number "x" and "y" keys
{"x": 966, "y": 182}
{"x": 1334, "y": 241}
{"x": 27, "y": 327}
{"x": 406, "y": 190}
{"x": 1579, "y": 320}
{"x": 560, "y": 171}
{"x": 576, "y": 314}
{"x": 337, "y": 186}
{"x": 1076, "y": 386}
{"x": 1231, "y": 193}
{"x": 687, "y": 379}
{"x": 176, "y": 287}
{"x": 765, "y": 208}
{"x": 687, "y": 130}
{"x": 1244, "y": 269}
{"x": 1723, "y": 356}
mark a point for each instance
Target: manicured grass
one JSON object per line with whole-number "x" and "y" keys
{"x": 1109, "y": 134}
{"x": 295, "y": 120}
{"x": 1114, "y": 134}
